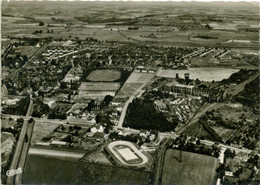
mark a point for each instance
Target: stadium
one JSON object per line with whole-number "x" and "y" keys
{"x": 126, "y": 153}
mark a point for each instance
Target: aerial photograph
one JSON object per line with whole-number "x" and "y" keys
{"x": 130, "y": 93}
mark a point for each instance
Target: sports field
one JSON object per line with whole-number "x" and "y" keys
{"x": 104, "y": 75}
{"x": 194, "y": 169}
{"x": 127, "y": 153}
{"x": 99, "y": 86}
{"x": 97, "y": 89}
{"x": 136, "y": 77}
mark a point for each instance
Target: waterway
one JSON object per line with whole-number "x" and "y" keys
{"x": 203, "y": 74}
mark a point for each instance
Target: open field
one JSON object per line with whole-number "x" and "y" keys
{"x": 194, "y": 169}
{"x": 97, "y": 89}
{"x": 104, "y": 75}
{"x": 99, "y": 86}
{"x": 96, "y": 174}
{"x": 128, "y": 89}
{"x": 102, "y": 22}
{"x": 46, "y": 170}
{"x": 138, "y": 77}
{"x": 41, "y": 130}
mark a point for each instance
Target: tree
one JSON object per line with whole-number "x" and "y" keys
{"x": 41, "y": 23}
{"x": 31, "y": 120}
{"x": 198, "y": 142}
{"x": 91, "y": 105}
{"x": 20, "y": 120}
{"x": 63, "y": 85}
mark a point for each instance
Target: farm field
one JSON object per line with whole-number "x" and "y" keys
{"x": 42, "y": 129}
{"x": 45, "y": 170}
{"x": 195, "y": 169}
{"x": 104, "y": 75}
{"x": 95, "y": 174}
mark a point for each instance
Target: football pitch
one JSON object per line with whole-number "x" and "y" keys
{"x": 104, "y": 75}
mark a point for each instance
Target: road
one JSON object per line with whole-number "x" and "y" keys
{"x": 159, "y": 162}
{"x": 18, "y": 154}
{"x": 33, "y": 57}
{"x": 7, "y": 51}
{"x": 137, "y": 92}
{"x": 77, "y": 122}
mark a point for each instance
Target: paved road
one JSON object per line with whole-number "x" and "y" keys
{"x": 159, "y": 163}
{"x": 20, "y": 144}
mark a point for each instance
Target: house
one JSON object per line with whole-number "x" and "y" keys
{"x": 97, "y": 128}
{"x": 151, "y": 71}
{"x": 58, "y": 143}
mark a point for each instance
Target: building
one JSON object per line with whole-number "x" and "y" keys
{"x": 175, "y": 87}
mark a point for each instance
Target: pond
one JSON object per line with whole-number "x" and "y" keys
{"x": 203, "y": 74}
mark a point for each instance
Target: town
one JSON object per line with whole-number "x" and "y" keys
{"x": 151, "y": 97}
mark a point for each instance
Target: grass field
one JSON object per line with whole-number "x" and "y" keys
{"x": 96, "y": 174}
{"x": 104, "y": 75}
{"x": 44, "y": 170}
{"x": 195, "y": 169}
{"x": 128, "y": 89}
{"x": 41, "y": 130}
{"x": 98, "y": 86}
{"x": 138, "y": 77}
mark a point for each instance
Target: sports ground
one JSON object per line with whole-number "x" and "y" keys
{"x": 127, "y": 153}
{"x": 104, "y": 75}
{"x": 188, "y": 168}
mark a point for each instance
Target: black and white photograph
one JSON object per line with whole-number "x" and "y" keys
{"x": 130, "y": 92}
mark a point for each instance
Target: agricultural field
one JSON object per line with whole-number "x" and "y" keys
{"x": 42, "y": 129}
{"x": 194, "y": 169}
{"x": 95, "y": 174}
{"x": 46, "y": 170}
{"x": 104, "y": 75}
